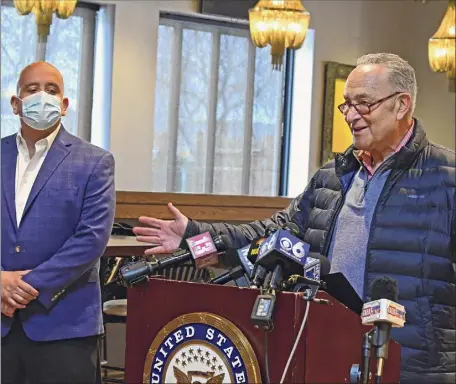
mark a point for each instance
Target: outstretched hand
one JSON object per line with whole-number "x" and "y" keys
{"x": 166, "y": 234}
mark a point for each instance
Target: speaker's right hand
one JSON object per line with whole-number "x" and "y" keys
{"x": 166, "y": 235}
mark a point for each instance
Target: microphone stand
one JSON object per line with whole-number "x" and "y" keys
{"x": 367, "y": 353}
{"x": 380, "y": 341}
{"x": 276, "y": 278}
{"x": 362, "y": 375}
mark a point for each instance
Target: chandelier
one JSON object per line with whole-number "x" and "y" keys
{"x": 279, "y": 23}
{"x": 442, "y": 45}
{"x": 43, "y": 10}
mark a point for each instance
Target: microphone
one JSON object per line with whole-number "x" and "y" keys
{"x": 203, "y": 251}
{"x": 259, "y": 276}
{"x": 277, "y": 274}
{"x": 383, "y": 312}
{"x": 242, "y": 270}
{"x": 240, "y": 273}
{"x": 259, "y": 273}
{"x": 245, "y": 258}
{"x": 256, "y": 243}
{"x": 283, "y": 252}
{"x": 232, "y": 274}
{"x": 242, "y": 256}
{"x": 316, "y": 267}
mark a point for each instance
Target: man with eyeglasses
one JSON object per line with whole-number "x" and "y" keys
{"x": 386, "y": 207}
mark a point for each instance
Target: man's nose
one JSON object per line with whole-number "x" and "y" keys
{"x": 352, "y": 115}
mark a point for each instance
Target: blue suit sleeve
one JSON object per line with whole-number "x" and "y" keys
{"x": 84, "y": 248}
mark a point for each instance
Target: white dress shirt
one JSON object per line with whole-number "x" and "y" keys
{"x": 27, "y": 168}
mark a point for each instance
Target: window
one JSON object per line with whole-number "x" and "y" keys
{"x": 218, "y": 111}
{"x": 69, "y": 47}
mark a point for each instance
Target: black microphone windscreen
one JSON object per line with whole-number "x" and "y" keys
{"x": 384, "y": 288}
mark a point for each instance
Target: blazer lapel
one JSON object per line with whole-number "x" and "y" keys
{"x": 9, "y": 160}
{"x": 57, "y": 153}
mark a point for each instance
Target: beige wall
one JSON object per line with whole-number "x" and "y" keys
{"x": 344, "y": 30}
{"x": 133, "y": 93}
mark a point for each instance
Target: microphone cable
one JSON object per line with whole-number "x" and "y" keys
{"x": 293, "y": 350}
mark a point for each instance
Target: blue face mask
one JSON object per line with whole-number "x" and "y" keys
{"x": 41, "y": 110}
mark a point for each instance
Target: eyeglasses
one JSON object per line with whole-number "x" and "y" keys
{"x": 363, "y": 108}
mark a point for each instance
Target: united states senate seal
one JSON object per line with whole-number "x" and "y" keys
{"x": 201, "y": 348}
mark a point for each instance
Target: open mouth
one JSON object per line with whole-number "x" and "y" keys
{"x": 358, "y": 130}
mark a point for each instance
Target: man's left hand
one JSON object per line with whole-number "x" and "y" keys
{"x": 7, "y": 309}
{"x": 16, "y": 292}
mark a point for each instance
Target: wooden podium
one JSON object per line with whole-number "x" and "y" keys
{"x": 330, "y": 344}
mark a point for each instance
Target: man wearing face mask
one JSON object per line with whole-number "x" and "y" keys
{"x": 386, "y": 207}
{"x": 58, "y": 201}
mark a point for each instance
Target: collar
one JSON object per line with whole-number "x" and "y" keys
{"x": 347, "y": 162}
{"x": 366, "y": 159}
{"x": 45, "y": 142}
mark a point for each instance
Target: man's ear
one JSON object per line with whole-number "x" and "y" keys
{"x": 65, "y": 104}
{"x": 16, "y": 105}
{"x": 405, "y": 105}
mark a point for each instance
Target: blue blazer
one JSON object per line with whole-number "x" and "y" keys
{"x": 64, "y": 230}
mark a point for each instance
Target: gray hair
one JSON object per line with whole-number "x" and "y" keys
{"x": 401, "y": 74}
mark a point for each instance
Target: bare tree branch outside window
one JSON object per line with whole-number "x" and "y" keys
{"x": 195, "y": 103}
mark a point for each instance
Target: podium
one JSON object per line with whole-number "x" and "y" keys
{"x": 330, "y": 343}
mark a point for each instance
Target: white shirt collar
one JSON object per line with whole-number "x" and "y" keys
{"x": 46, "y": 142}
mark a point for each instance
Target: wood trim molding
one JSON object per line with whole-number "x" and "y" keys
{"x": 333, "y": 71}
{"x": 210, "y": 208}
